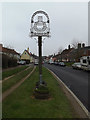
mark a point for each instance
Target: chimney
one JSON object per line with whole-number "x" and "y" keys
{"x": 79, "y": 45}
{"x": 83, "y": 45}
{"x": 1, "y": 47}
{"x": 69, "y": 47}
{"x": 28, "y": 49}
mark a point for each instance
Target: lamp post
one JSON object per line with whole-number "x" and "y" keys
{"x": 39, "y": 29}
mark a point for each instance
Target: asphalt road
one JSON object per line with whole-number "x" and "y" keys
{"x": 76, "y": 80}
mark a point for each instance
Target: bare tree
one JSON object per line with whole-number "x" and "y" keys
{"x": 60, "y": 50}
{"x": 60, "y": 53}
{"x": 75, "y": 43}
{"x": 78, "y": 51}
{"x": 9, "y": 46}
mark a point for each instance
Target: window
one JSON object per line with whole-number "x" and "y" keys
{"x": 84, "y": 61}
{"x": 89, "y": 62}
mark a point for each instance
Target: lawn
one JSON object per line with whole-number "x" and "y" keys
{"x": 13, "y": 71}
{"x": 11, "y": 81}
{"x": 69, "y": 64}
{"x": 21, "y": 104}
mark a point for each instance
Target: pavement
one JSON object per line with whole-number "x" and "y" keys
{"x": 75, "y": 80}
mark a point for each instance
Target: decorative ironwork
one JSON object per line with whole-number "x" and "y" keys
{"x": 40, "y": 27}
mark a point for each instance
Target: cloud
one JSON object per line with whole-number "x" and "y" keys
{"x": 67, "y": 21}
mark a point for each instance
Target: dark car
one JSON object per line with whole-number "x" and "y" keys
{"x": 62, "y": 64}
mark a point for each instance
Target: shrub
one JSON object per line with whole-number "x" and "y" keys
{"x": 8, "y": 61}
{"x": 12, "y": 62}
{"x": 4, "y": 61}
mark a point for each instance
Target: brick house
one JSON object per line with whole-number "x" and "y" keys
{"x": 8, "y": 56}
{"x": 64, "y": 56}
{"x": 9, "y": 52}
{"x": 76, "y": 54}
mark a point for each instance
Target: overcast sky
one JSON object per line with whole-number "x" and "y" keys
{"x": 68, "y": 22}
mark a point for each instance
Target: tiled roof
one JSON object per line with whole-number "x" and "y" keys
{"x": 83, "y": 48}
{"x": 66, "y": 51}
{"x": 31, "y": 54}
{"x": 7, "y": 50}
{"x": 28, "y": 52}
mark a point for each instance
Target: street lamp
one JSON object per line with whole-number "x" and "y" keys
{"x": 40, "y": 28}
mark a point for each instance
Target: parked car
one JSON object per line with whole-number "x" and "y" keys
{"x": 21, "y": 62}
{"x": 36, "y": 62}
{"x": 55, "y": 63}
{"x": 51, "y": 62}
{"x": 76, "y": 65}
{"x": 62, "y": 64}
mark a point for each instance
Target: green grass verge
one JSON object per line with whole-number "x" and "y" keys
{"x": 21, "y": 104}
{"x": 10, "y": 82}
{"x": 13, "y": 71}
{"x": 69, "y": 64}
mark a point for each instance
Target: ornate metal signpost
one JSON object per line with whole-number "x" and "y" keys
{"x": 39, "y": 29}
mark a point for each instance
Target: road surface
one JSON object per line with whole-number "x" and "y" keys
{"x": 76, "y": 80}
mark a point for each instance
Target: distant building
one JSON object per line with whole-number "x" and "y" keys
{"x": 64, "y": 56}
{"x": 73, "y": 54}
{"x": 54, "y": 59}
{"x": 76, "y": 54}
{"x": 28, "y": 57}
{"x": 9, "y": 52}
{"x": 9, "y": 57}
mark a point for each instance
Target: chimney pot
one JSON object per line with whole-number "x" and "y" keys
{"x": 69, "y": 47}
{"x": 28, "y": 49}
{"x": 79, "y": 45}
{"x": 83, "y": 45}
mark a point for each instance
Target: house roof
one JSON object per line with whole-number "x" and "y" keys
{"x": 31, "y": 54}
{"x": 83, "y": 48}
{"x": 34, "y": 56}
{"x": 8, "y": 50}
{"x": 66, "y": 51}
{"x": 54, "y": 58}
{"x": 28, "y": 52}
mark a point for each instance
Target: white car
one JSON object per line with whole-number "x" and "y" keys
{"x": 36, "y": 62}
{"x": 76, "y": 65}
{"x": 21, "y": 62}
